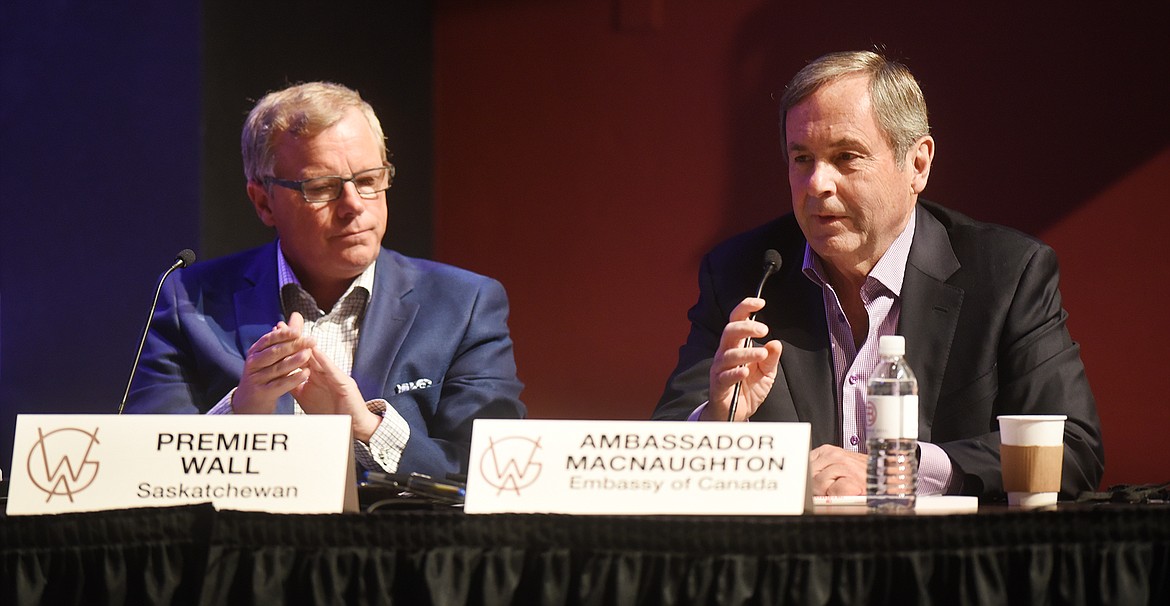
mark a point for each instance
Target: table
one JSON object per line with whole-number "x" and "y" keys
{"x": 196, "y": 555}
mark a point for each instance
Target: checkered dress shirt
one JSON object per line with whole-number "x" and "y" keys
{"x": 336, "y": 333}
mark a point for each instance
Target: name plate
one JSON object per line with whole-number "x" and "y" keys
{"x": 638, "y": 468}
{"x": 273, "y": 463}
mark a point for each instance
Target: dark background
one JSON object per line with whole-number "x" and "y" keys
{"x": 584, "y": 152}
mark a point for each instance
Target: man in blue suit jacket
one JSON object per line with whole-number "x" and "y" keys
{"x": 324, "y": 320}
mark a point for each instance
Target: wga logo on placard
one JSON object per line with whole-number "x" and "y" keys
{"x": 59, "y": 462}
{"x": 510, "y": 463}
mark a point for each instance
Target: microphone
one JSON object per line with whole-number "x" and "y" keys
{"x": 185, "y": 258}
{"x": 772, "y": 263}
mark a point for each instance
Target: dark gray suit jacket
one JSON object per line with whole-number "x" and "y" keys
{"x": 985, "y": 334}
{"x": 425, "y": 320}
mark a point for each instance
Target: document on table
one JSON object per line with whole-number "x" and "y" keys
{"x": 942, "y": 504}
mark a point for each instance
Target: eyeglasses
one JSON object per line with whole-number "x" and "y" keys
{"x": 369, "y": 184}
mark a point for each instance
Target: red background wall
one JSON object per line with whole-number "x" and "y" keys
{"x": 589, "y": 152}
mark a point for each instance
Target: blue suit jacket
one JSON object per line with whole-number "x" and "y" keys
{"x": 425, "y": 320}
{"x": 985, "y": 334}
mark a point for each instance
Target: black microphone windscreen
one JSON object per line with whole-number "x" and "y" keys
{"x": 772, "y": 259}
{"x": 187, "y": 256}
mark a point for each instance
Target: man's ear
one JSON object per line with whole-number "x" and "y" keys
{"x": 261, "y": 201}
{"x": 921, "y": 155}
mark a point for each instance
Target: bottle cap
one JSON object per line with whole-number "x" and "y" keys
{"x": 892, "y": 345}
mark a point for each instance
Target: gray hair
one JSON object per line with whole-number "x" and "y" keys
{"x": 305, "y": 110}
{"x": 897, "y": 100}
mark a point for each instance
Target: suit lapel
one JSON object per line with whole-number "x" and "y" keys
{"x": 257, "y": 302}
{"x": 258, "y": 308}
{"x": 930, "y": 311}
{"x": 387, "y": 320}
{"x": 805, "y": 382}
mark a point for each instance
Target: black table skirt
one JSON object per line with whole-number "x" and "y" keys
{"x": 1107, "y": 554}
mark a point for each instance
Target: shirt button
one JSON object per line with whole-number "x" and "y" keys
{"x": 853, "y": 440}
{"x": 853, "y": 379}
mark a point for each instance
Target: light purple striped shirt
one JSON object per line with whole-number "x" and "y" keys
{"x": 881, "y": 293}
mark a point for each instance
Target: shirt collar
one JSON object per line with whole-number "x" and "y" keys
{"x": 286, "y": 276}
{"x": 890, "y": 270}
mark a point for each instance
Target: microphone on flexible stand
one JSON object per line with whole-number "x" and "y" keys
{"x": 772, "y": 263}
{"x": 185, "y": 258}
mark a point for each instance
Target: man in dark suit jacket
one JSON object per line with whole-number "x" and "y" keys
{"x": 325, "y": 320}
{"x": 978, "y": 304}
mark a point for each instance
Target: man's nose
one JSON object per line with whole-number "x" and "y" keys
{"x": 350, "y": 202}
{"x": 822, "y": 180}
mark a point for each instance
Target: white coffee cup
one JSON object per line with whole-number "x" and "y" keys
{"x": 1031, "y": 457}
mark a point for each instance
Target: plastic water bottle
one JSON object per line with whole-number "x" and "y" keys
{"x": 891, "y": 414}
